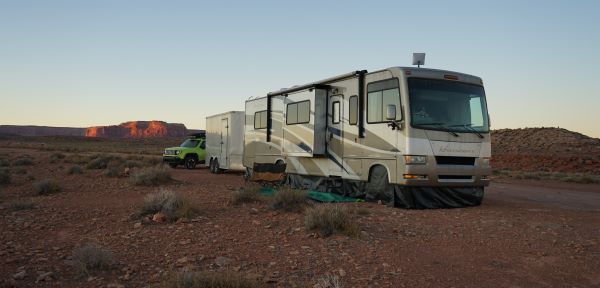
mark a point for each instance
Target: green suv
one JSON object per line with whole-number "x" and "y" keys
{"x": 189, "y": 153}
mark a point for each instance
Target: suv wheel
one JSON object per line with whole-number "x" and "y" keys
{"x": 190, "y": 162}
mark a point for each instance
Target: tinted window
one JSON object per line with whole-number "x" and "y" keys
{"x": 380, "y": 95}
{"x": 298, "y": 113}
{"x": 260, "y": 120}
{"x": 335, "y": 112}
{"x": 353, "y": 107}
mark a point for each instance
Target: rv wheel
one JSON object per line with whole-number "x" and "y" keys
{"x": 190, "y": 162}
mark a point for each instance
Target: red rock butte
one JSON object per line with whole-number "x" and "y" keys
{"x": 138, "y": 129}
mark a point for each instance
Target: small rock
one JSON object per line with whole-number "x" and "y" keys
{"x": 222, "y": 261}
{"x": 159, "y": 217}
{"x": 342, "y": 272}
{"x": 255, "y": 222}
{"x": 19, "y": 275}
{"x": 183, "y": 260}
{"x": 137, "y": 225}
{"x": 44, "y": 276}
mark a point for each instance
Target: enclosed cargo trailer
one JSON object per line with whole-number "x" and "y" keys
{"x": 225, "y": 141}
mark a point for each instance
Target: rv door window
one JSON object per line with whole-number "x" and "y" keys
{"x": 380, "y": 95}
{"x": 353, "y": 109}
{"x": 298, "y": 113}
{"x": 260, "y": 120}
{"x": 335, "y": 112}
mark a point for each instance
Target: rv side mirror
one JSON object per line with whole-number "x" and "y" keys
{"x": 390, "y": 112}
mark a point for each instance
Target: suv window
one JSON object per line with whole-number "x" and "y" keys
{"x": 203, "y": 145}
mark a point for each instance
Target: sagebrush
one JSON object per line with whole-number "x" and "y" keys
{"x": 205, "y": 279}
{"x": 246, "y": 194}
{"x": 151, "y": 176}
{"x": 46, "y": 187}
{"x": 169, "y": 203}
{"x": 329, "y": 219}
{"x": 289, "y": 200}
{"x": 91, "y": 257}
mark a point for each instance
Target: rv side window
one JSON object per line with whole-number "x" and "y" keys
{"x": 353, "y": 107}
{"x": 380, "y": 95}
{"x": 335, "y": 112}
{"x": 298, "y": 113}
{"x": 260, "y": 120}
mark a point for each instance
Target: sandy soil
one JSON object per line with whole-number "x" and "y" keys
{"x": 526, "y": 234}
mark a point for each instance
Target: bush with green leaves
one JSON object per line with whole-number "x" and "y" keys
{"x": 46, "y": 187}
{"x": 329, "y": 219}
{"x": 151, "y": 176}
{"x": 91, "y": 257}
{"x": 289, "y": 200}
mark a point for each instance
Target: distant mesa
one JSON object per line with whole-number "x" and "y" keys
{"x": 138, "y": 129}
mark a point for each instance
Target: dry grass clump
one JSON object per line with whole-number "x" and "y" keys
{"x": 247, "y": 194}
{"x": 56, "y": 156}
{"x": 91, "y": 257}
{"x": 76, "y": 159}
{"x": 133, "y": 164}
{"x": 4, "y": 162}
{"x": 45, "y": 187}
{"x": 289, "y": 200}
{"x": 172, "y": 205}
{"x": 24, "y": 161}
{"x": 75, "y": 169}
{"x": 101, "y": 161}
{"x": 113, "y": 168}
{"x": 151, "y": 176}
{"x": 20, "y": 204}
{"x": 329, "y": 281}
{"x": 329, "y": 219}
{"x": 5, "y": 176}
{"x": 192, "y": 279}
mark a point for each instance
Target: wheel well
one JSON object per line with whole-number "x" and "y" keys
{"x": 194, "y": 155}
{"x": 279, "y": 161}
{"x": 378, "y": 165}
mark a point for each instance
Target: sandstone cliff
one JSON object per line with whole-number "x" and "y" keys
{"x": 138, "y": 129}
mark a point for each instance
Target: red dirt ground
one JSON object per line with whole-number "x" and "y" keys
{"x": 512, "y": 240}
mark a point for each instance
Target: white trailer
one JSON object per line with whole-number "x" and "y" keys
{"x": 225, "y": 141}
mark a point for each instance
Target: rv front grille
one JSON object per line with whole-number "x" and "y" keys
{"x": 451, "y": 160}
{"x": 455, "y": 177}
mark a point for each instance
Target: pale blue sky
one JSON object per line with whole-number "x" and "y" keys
{"x": 84, "y": 63}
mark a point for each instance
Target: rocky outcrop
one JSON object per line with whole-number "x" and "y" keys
{"x": 138, "y": 129}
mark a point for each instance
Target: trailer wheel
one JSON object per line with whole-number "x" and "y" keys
{"x": 378, "y": 184}
{"x": 215, "y": 166}
{"x": 190, "y": 162}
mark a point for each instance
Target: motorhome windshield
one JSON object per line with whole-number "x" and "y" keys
{"x": 447, "y": 105}
{"x": 189, "y": 143}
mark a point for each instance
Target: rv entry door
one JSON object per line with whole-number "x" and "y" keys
{"x": 224, "y": 161}
{"x": 335, "y": 134}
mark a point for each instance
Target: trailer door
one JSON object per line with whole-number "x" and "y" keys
{"x": 224, "y": 160}
{"x": 335, "y": 134}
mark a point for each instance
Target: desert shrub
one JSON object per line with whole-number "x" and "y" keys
{"x": 135, "y": 157}
{"x": 582, "y": 178}
{"x": 101, "y": 161}
{"x": 246, "y": 194}
{"x": 4, "y": 176}
{"x": 4, "y": 162}
{"x": 76, "y": 159}
{"x": 152, "y": 161}
{"x": 19, "y": 170}
{"x": 91, "y": 257}
{"x": 75, "y": 169}
{"x": 19, "y": 204}
{"x": 328, "y": 281}
{"x": 289, "y": 200}
{"x": 151, "y": 176}
{"x": 133, "y": 164}
{"x": 113, "y": 169}
{"x": 23, "y": 162}
{"x": 205, "y": 279}
{"x": 56, "y": 156}
{"x": 45, "y": 187}
{"x": 329, "y": 219}
{"x": 169, "y": 203}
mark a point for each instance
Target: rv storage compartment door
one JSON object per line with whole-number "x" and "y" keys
{"x": 305, "y": 123}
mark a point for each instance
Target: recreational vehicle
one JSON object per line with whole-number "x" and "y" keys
{"x": 411, "y": 137}
{"x": 225, "y": 141}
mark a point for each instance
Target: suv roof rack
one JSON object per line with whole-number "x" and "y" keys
{"x": 198, "y": 135}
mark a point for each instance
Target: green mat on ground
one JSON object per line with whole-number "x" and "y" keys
{"x": 316, "y": 195}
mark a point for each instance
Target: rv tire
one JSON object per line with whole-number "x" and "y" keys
{"x": 378, "y": 183}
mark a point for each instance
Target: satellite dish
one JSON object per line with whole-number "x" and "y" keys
{"x": 419, "y": 59}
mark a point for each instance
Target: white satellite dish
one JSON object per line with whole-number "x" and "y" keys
{"x": 418, "y": 59}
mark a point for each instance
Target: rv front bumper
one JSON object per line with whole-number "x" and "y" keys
{"x": 433, "y": 174}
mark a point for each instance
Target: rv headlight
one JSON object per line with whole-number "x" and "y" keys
{"x": 415, "y": 159}
{"x": 485, "y": 161}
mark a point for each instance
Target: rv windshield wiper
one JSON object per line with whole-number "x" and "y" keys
{"x": 439, "y": 125}
{"x": 468, "y": 127}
